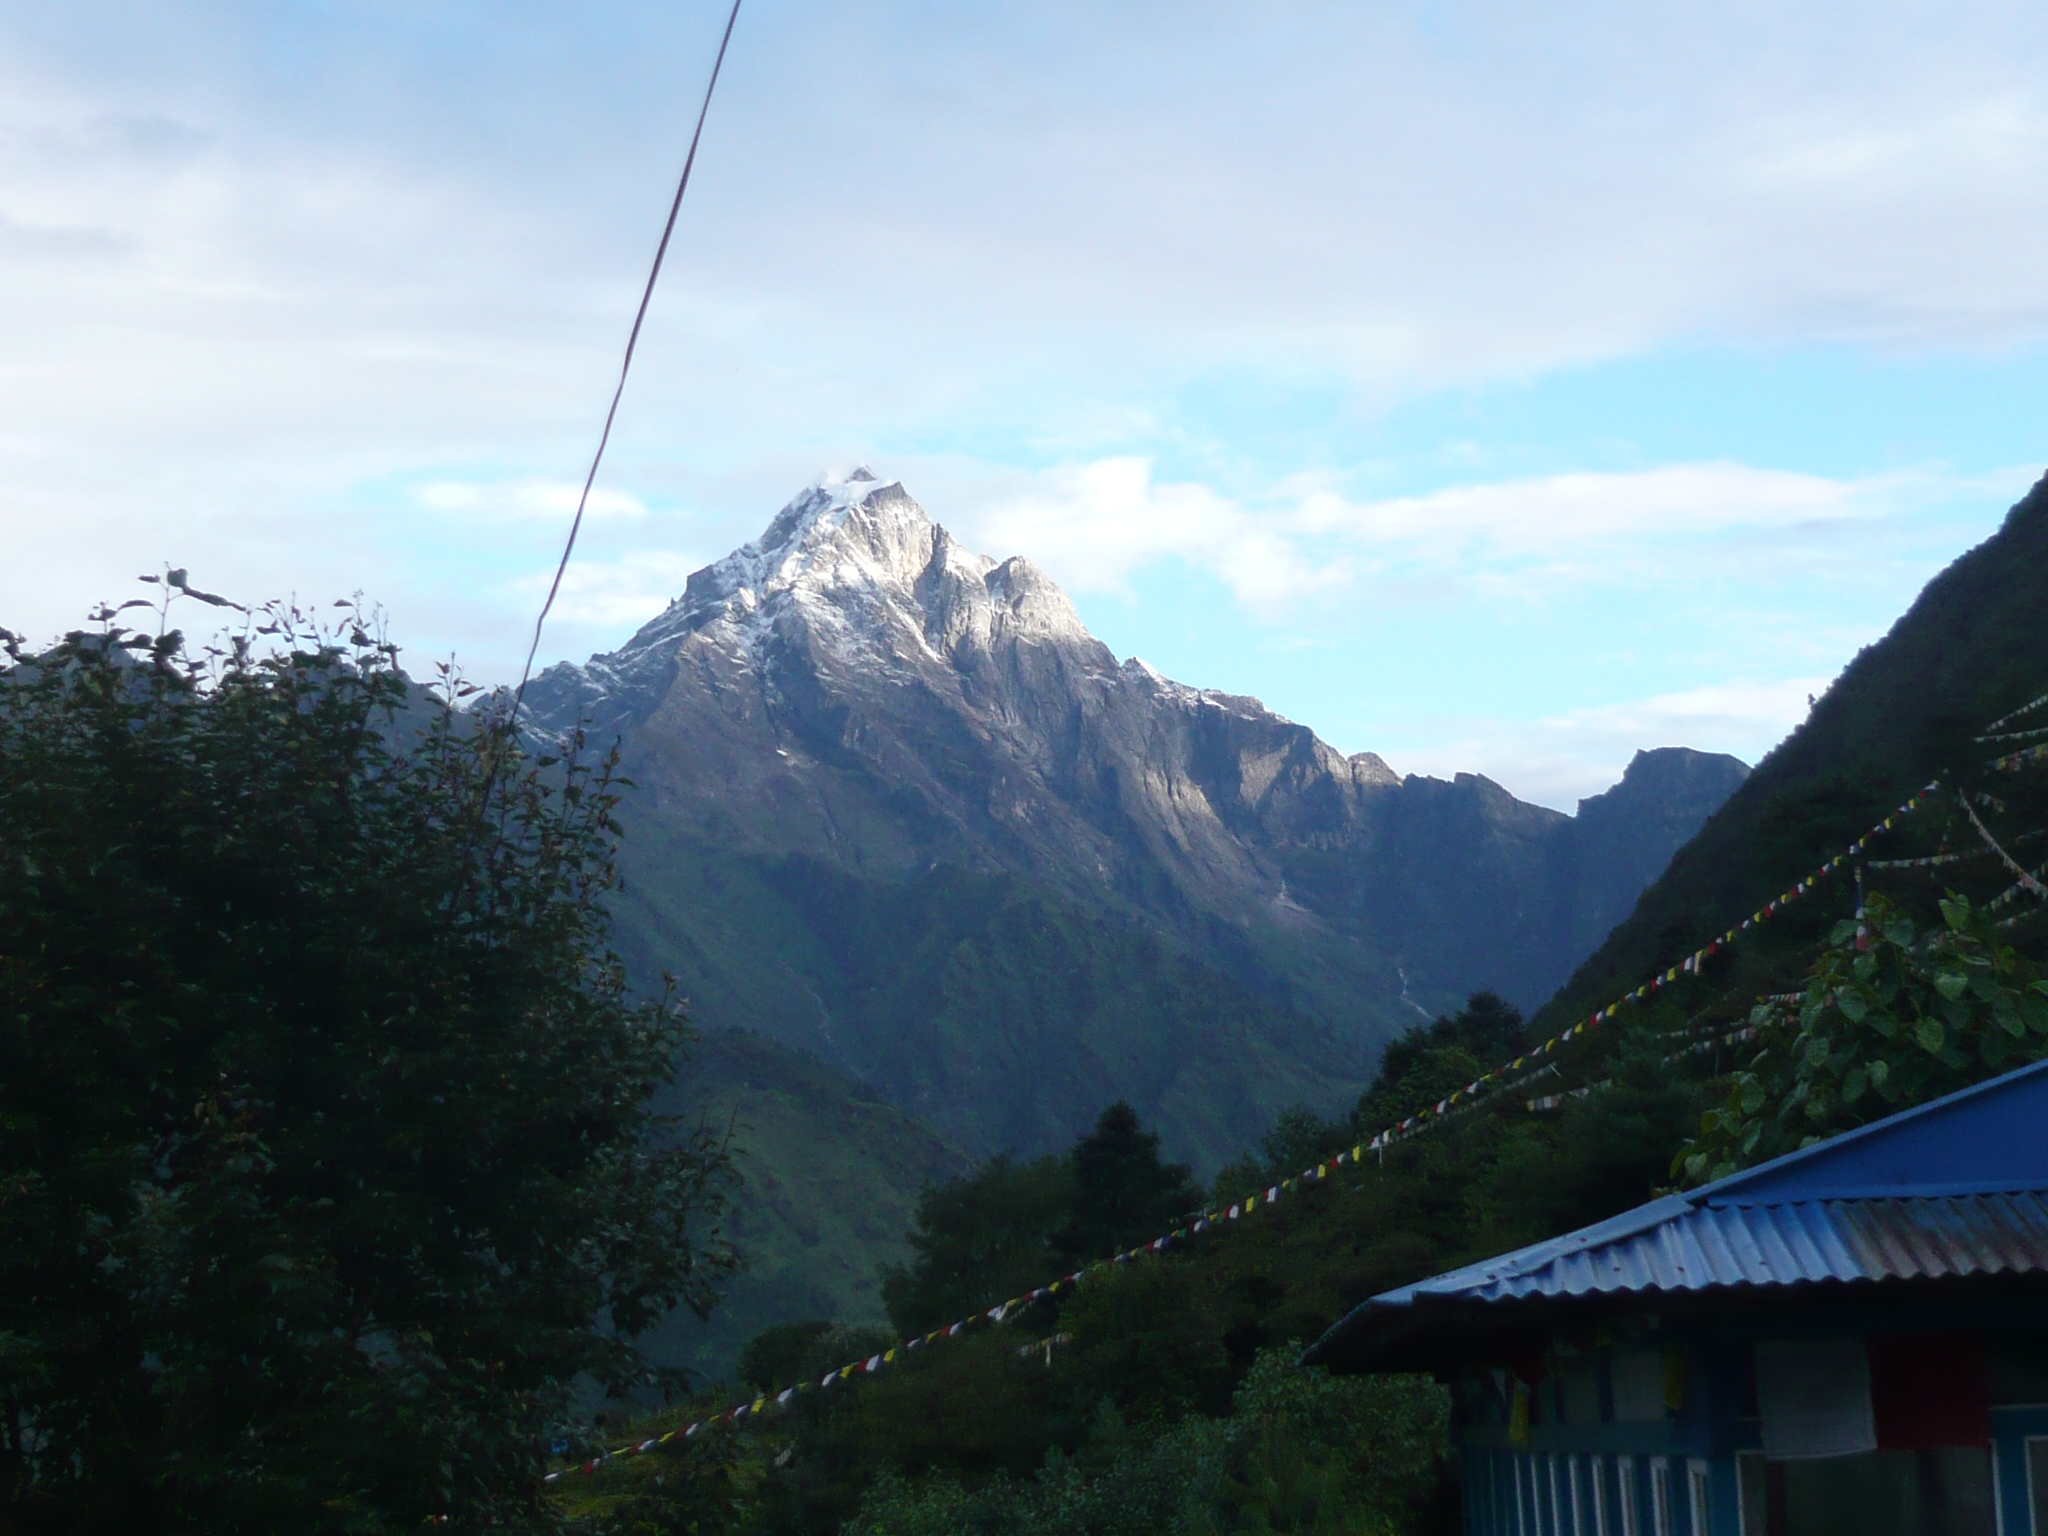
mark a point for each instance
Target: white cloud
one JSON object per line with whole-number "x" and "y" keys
{"x": 1095, "y": 525}
{"x": 259, "y": 261}
{"x": 1104, "y": 521}
{"x": 1562, "y": 758}
{"x": 553, "y": 502}
{"x": 606, "y": 597}
{"x": 1555, "y": 518}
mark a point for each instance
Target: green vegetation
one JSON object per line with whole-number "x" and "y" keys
{"x": 327, "y": 1162}
{"x": 1168, "y": 1379}
{"x": 949, "y": 989}
{"x": 1161, "y": 1394}
{"x": 337, "y": 1158}
{"x": 1971, "y": 647}
{"x": 830, "y": 1177}
{"x": 1890, "y": 1018}
{"x": 1300, "y": 1451}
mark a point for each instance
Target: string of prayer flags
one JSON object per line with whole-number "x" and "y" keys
{"x": 1991, "y": 731}
{"x": 2011, "y": 892}
{"x": 1686, "y": 967}
{"x": 1930, "y": 861}
{"x": 2026, "y": 876}
{"x": 1523, "y": 1070}
{"x": 2026, "y": 735}
{"x": 995, "y": 1315}
{"x": 2015, "y": 760}
{"x": 1549, "y": 1101}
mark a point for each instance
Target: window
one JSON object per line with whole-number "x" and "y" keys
{"x": 1753, "y": 1492}
{"x": 1945, "y": 1492}
{"x": 1625, "y": 1496}
{"x": 1696, "y": 1497}
{"x": 1660, "y": 1497}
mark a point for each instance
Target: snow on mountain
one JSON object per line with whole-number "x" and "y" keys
{"x": 861, "y": 569}
{"x": 854, "y": 691}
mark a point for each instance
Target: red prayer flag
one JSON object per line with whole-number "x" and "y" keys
{"x": 1928, "y": 1390}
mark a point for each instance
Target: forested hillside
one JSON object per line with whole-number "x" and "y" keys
{"x": 829, "y": 1178}
{"x": 1972, "y": 646}
{"x": 897, "y": 807}
{"x": 1158, "y": 1391}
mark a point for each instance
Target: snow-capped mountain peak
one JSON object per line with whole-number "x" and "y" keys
{"x": 857, "y": 567}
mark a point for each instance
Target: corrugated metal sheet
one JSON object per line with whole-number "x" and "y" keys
{"x": 1952, "y": 1189}
{"x": 1697, "y": 1248}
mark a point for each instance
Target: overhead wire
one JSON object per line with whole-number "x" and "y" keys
{"x": 668, "y": 230}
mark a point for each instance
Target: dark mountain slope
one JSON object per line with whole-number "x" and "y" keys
{"x": 1000, "y": 1014}
{"x": 832, "y": 1179}
{"x": 1974, "y": 644}
{"x": 896, "y": 806}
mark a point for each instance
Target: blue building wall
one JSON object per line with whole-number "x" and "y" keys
{"x": 1694, "y": 1469}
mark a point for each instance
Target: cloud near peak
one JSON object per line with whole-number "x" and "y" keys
{"x": 1095, "y": 525}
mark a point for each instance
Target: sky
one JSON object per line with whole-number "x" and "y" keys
{"x": 1495, "y": 387}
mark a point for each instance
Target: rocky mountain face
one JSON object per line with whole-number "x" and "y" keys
{"x": 896, "y": 807}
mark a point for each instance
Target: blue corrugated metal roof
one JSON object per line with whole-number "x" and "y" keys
{"x": 1958, "y": 1187}
{"x": 1972, "y": 1142}
{"x": 1696, "y": 1248}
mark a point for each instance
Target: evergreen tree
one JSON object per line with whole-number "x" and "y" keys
{"x": 1123, "y": 1193}
{"x": 979, "y": 1239}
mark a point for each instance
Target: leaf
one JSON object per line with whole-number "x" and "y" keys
{"x": 2035, "y": 1011}
{"x": 2007, "y": 1012}
{"x": 177, "y": 579}
{"x": 1854, "y": 1083}
{"x": 1852, "y": 1006}
{"x": 1931, "y": 1035}
{"x": 1899, "y": 931}
{"x": 1816, "y": 1051}
{"x": 1951, "y": 984}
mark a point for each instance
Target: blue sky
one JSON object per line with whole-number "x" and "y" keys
{"x": 1494, "y": 387}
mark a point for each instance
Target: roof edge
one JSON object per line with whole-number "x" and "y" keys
{"x": 1720, "y": 1191}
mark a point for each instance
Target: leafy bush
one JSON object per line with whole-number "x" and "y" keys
{"x": 1890, "y": 1018}
{"x": 326, "y": 1162}
{"x": 1301, "y": 1452}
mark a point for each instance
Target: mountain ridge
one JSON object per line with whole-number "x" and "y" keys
{"x": 856, "y": 697}
{"x": 1903, "y": 711}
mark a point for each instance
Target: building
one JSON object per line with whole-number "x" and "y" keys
{"x": 1852, "y": 1339}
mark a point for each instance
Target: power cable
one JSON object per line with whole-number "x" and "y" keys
{"x": 626, "y": 365}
